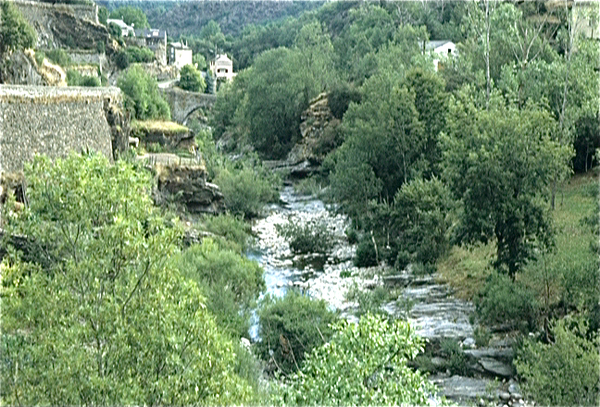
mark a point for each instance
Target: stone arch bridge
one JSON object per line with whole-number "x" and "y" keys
{"x": 184, "y": 103}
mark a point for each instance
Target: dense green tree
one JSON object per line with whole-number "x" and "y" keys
{"x": 97, "y": 315}
{"x": 131, "y": 15}
{"x": 102, "y": 15}
{"x": 362, "y": 364}
{"x": 384, "y": 143}
{"x": 500, "y": 163}
{"x": 191, "y": 79}
{"x": 230, "y": 283}
{"x": 291, "y": 327}
{"x": 141, "y": 95}
{"x": 15, "y": 33}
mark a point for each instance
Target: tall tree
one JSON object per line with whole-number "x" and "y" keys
{"x": 501, "y": 163}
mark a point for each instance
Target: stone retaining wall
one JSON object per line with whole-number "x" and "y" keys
{"x": 53, "y": 121}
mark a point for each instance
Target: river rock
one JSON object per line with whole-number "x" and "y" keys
{"x": 504, "y": 396}
{"x": 494, "y": 353}
{"x": 513, "y": 387}
{"x": 495, "y": 367}
{"x": 462, "y": 389}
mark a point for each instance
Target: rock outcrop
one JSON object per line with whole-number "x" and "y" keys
{"x": 186, "y": 183}
{"x": 318, "y": 130}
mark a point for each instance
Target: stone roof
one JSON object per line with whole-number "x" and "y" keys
{"x": 435, "y": 44}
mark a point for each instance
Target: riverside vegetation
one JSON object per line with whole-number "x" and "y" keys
{"x": 483, "y": 172}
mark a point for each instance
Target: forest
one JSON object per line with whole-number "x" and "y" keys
{"x": 478, "y": 169}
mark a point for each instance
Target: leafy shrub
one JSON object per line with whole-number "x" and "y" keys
{"x": 142, "y": 97}
{"x": 332, "y": 138}
{"x": 114, "y": 30}
{"x": 310, "y": 237}
{"x": 456, "y": 360}
{"x": 351, "y": 235}
{"x": 191, "y": 79}
{"x": 122, "y": 59}
{"x": 308, "y": 186}
{"x": 482, "y": 336}
{"x": 363, "y": 364}
{"x": 503, "y": 301}
{"x": 230, "y": 282}
{"x": 366, "y": 255}
{"x": 245, "y": 189}
{"x": 562, "y": 373}
{"x": 15, "y": 32}
{"x": 59, "y": 57}
{"x": 139, "y": 54}
{"x": 369, "y": 301}
{"x": 39, "y": 57}
{"x": 340, "y": 98}
{"x": 291, "y": 327}
{"x": 231, "y": 228}
{"x": 74, "y": 78}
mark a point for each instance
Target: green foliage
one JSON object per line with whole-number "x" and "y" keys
{"x": 366, "y": 254}
{"x": 122, "y": 59}
{"x": 118, "y": 325}
{"x": 141, "y": 95}
{"x": 191, "y": 79}
{"x": 139, "y": 54}
{"x": 131, "y": 15}
{"x": 310, "y": 237}
{"x": 422, "y": 220}
{"x": 456, "y": 359}
{"x": 503, "y": 301}
{"x": 102, "y": 15}
{"x": 231, "y": 229}
{"x": 291, "y": 327}
{"x": 501, "y": 162}
{"x": 370, "y": 301}
{"x": 199, "y": 62}
{"x": 39, "y": 57}
{"x": 340, "y": 97}
{"x": 115, "y": 31}
{"x": 246, "y": 188}
{"x": 482, "y": 336}
{"x": 564, "y": 372}
{"x": 363, "y": 364}
{"x": 230, "y": 282}
{"x": 59, "y": 56}
{"x": 15, "y": 33}
{"x": 74, "y": 78}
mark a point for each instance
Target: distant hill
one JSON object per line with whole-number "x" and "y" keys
{"x": 188, "y": 17}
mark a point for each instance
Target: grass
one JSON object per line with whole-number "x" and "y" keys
{"x": 466, "y": 269}
{"x": 158, "y": 125}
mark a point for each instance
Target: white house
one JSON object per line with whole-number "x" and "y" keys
{"x": 179, "y": 54}
{"x": 440, "y": 51}
{"x": 222, "y": 67}
{"x": 126, "y": 30}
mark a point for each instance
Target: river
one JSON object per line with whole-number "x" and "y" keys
{"x": 435, "y": 313}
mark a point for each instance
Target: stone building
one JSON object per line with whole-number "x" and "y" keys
{"x": 126, "y": 30}
{"x": 440, "y": 51}
{"x": 156, "y": 40}
{"x": 179, "y": 54}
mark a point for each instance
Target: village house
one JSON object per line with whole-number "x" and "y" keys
{"x": 126, "y": 30}
{"x": 222, "y": 68}
{"x": 156, "y": 40}
{"x": 440, "y": 51}
{"x": 179, "y": 54}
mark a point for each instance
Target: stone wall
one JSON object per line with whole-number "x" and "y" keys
{"x": 54, "y": 121}
{"x": 81, "y": 11}
{"x": 89, "y": 58}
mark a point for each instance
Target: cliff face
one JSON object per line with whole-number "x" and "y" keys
{"x": 65, "y": 26}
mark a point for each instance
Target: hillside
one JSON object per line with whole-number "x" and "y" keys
{"x": 188, "y": 17}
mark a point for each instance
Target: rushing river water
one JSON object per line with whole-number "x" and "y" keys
{"x": 435, "y": 313}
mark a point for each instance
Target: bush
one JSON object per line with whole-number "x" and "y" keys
{"x": 503, "y": 301}
{"x": 291, "y": 327}
{"x": 114, "y": 30}
{"x": 562, "y": 373}
{"x": 59, "y": 57}
{"x": 142, "y": 97}
{"x": 15, "y": 33}
{"x": 456, "y": 360}
{"x": 234, "y": 230}
{"x": 230, "y": 282}
{"x": 122, "y": 59}
{"x": 366, "y": 255}
{"x": 310, "y": 237}
{"x": 74, "y": 78}
{"x": 191, "y": 79}
{"x": 340, "y": 98}
{"x": 137, "y": 54}
{"x": 246, "y": 190}
{"x": 39, "y": 57}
